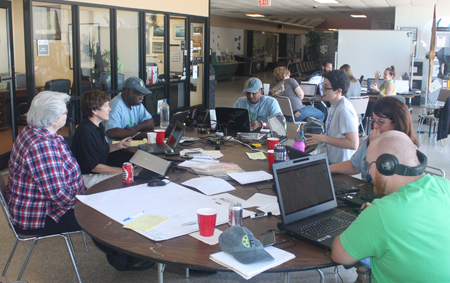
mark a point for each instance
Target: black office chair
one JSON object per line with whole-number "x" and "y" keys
{"x": 63, "y": 85}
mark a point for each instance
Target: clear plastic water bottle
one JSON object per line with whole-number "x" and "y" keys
{"x": 164, "y": 114}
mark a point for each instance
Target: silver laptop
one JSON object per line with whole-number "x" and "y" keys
{"x": 151, "y": 162}
{"x": 307, "y": 201}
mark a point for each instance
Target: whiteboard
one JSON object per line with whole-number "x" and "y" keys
{"x": 367, "y": 51}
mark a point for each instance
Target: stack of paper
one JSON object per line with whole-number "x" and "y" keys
{"x": 265, "y": 203}
{"x": 251, "y": 177}
{"x": 209, "y": 185}
{"x": 249, "y": 270}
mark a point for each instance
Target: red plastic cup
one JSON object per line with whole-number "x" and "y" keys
{"x": 160, "y": 135}
{"x": 206, "y": 221}
{"x": 271, "y": 142}
{"x": 271, "y": 158}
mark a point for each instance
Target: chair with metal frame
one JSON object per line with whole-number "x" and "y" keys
{"x": 432, "y": 170}
{"x": 360, "y": 105}
{"x": 34, "y": 238}
{"x": 286, "y": 109}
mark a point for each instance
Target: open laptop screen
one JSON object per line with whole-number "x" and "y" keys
{"x": 175, "y": 136}
{"x": 233, "y": 120}
{"x": 277, "y": 128}
{"x": 304, "y": 187}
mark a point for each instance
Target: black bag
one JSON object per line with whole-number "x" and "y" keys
{"x": 313, "y": 126}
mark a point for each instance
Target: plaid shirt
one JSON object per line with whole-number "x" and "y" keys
{"x": 44, "y": 178}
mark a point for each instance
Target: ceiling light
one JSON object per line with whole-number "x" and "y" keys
{"x": 358, "y": 16}
{"x": 326, "y": 1}
{"x": 255, "y": 15}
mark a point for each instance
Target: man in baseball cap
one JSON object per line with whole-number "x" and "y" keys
{"x": 128, "y": 116}
{"x": 259, "y": 107}
{"x": 242, "y": 245}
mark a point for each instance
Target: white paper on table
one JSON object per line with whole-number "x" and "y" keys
{"x": 251, "y": 177}
{"x": 270, "y": 207}
{"x": 209, "y": 185}
{"x": 259, "y": 200}
{"x": 213, "y": 240}
{"x": 249, "y": 270}
{"x": 194, "y": 161}
{"x": 227, "y": 199}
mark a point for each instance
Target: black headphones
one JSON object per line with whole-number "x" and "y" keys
{"x": 387, "y": 165}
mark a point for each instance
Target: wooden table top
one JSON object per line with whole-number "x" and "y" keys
{"x": 186, "y": 251}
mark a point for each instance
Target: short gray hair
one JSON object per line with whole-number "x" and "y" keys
{"x": 46, "y": 108}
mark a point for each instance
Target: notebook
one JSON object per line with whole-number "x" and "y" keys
{"x": 172, "y": 141}
{"x": 151, "y": 163}
{"x": 307, "y": 200}
{"x": 179, "y": 116}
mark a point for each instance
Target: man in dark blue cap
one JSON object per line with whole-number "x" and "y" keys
{"x": 128, "y": 116}
{"x": 259, "y": 107}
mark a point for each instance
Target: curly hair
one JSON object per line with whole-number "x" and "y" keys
{"x": 92, "y": 100}
{"x": 280, "y": 72}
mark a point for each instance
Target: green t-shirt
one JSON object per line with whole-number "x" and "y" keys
{"x": 406, "y": 234}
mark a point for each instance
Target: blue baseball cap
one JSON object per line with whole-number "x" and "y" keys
{"x": 137, "y": 84}
{"x": 252, "y": 85}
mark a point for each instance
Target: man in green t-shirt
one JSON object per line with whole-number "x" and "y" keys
{"x": 406, "y": 233}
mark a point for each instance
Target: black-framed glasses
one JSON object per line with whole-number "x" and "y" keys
{"x": 326, "y": 88}
{"x": 137, "y": 93}
{"x": 380, "y": 123}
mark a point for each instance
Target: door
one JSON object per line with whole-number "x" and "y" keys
{"x": 197, "y": 55}
{"x": 8, "y": 127}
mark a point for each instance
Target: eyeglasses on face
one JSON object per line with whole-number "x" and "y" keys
{"x": 380, "y": 123}
{"x": 326, "y": 88}
{"x": 138, "y": 93}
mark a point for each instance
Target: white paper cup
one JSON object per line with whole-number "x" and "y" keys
{"x": 266, "y": 89}
{"x": 151, "y": 137}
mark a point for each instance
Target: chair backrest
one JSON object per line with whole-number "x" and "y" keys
{"x": 285, "y": 105}
{"x": 359, "y": 103}
{"x": 60, "y": 85}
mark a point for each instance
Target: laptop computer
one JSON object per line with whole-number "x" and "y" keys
{"x": 232, "y": 120}
{"x": 172, "y": 141}
{"x": 156, "y": 165}
{"x": 277, "y": 128}
{"x": 309, "y": 89}
{"x": 179, "y": 116}
{"x": 307, "y": 200}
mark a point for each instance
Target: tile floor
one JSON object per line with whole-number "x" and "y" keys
{"x": 50, "y": 261}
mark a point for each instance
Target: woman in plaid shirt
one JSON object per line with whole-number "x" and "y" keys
{"x": 44, "y": 177}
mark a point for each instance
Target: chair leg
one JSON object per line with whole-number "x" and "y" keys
{"x": 26, "y": 260}
{"x": 72, "y": 257}
{"x": 84, "y": 239}
{"x": 9, "y": 260}
{"x": 72, "y": 248}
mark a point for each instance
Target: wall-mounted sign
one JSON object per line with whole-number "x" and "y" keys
{"x": 265, "y": 2}
{"x": 43, "y": 48}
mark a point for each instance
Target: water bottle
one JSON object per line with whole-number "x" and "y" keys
{"x": 299, "y": 142}
{"x": 164, "y": 114}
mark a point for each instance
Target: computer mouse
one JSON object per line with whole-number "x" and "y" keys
{"x": 156, "y": 183}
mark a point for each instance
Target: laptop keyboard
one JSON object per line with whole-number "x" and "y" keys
{"x": 341, "y": 188}
{"x": 326, "y": 225}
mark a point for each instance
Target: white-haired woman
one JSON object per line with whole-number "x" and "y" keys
{"x": 44, "y": 177}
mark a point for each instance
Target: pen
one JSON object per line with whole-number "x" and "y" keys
{"x": 135, "y": 135}
{"x": 189, "y": 223}
{"x": 257, "y": 215}
{"x": 134, "y": 216}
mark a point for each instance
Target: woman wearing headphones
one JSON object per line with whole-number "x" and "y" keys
{"x": 389, "y": 113}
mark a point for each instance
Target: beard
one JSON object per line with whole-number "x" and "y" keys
{"x": 379, "y": 185}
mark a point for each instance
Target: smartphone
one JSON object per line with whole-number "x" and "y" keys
{"x": 267, "y": 239}
{"x": 135, "y": 135}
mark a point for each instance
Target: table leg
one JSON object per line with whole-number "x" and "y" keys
{"x": 161, "y": 267}
{"x": 285, "y": 277}
{"x": 322, "y": 279}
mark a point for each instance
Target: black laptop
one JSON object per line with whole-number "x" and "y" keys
{"x": 232, "y": 120}
{"x": 172, "y": 141}
{"x": 307, "y": 200}
{"x": 179, "y": 116}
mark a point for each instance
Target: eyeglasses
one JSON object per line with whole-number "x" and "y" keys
{"x": 138, "y": 93}
{"x": 380, "y": 123}
{"x": 326, "y": 88}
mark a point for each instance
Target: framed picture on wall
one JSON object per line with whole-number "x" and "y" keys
{"x": 46, "y": 22}
{"x": 197, "y": 29}
{"x": 414, "y": 31}
{"x": 179, "y": 32}
{"x": 158, "y": 47}
{"x": 158, "y": 31}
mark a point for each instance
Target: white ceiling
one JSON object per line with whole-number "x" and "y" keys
{"x": 302, "y": 12}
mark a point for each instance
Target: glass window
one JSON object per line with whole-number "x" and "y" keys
{"x": 196, "y": 63}
{"x": 52, "y": 55}
{"x": 177, "y": 47}
{"x": 127, "y": 52}
{"x": 154, "y": 48}
{"x": 95, "y": 49}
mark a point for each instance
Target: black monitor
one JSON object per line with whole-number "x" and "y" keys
{"x": 370, "y": 81}
{"x": 232, "y": 120}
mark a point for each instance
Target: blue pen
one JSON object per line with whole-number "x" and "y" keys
{"x": 134, "y": 216}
